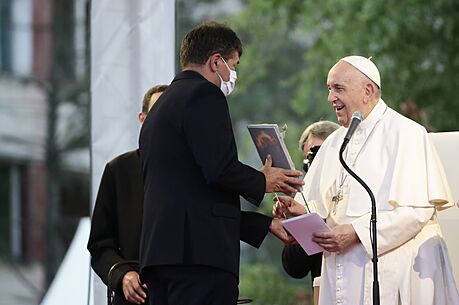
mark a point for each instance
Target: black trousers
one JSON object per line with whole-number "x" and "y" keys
{"x": 190, "y": 285}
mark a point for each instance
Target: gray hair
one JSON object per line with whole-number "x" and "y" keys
{"x": 320, "y": 129}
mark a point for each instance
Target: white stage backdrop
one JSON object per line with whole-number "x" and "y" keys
{"x": 132, "y": 49}
{"x": 447, "y": 144}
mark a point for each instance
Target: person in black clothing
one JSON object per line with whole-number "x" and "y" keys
{"x": 295, "y": 261}
{"x": 117, "y": 218}
{"x": 192, "y": 221}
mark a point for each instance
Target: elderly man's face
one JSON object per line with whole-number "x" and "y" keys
{"x": 345, "y": 91}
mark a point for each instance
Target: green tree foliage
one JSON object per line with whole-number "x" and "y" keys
{"x": 291, "y": 45}
{"x": 264, "y": 284}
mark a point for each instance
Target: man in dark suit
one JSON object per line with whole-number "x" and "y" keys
{"x": 117, "y": 220}
{"x": 192, "y": 219}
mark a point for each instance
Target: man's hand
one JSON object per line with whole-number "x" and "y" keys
{"x": 278, "y": 230}
{"x": 338, "y": 240}
{"x": 278, "y": 210}
{"x": 133, "y": 288}
{"x": 287, "y": 207}
{"x": 279, "y": 179}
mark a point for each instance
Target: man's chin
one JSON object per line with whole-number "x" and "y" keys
{"x": 343, "y": 122}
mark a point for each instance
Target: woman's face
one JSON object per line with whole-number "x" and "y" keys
{"x": 312, "y": 141}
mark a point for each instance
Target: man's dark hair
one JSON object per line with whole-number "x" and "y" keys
{"x": 207, "y": 39}
{"x": 149, "y": 93}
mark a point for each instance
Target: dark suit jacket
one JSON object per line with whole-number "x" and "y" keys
{"x": 116, "y": 221}
{"x": 193, "y": 180}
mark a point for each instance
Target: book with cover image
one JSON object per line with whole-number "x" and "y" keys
{"x": 269, "y": 141}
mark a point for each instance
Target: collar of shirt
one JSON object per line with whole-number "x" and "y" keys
{"x": 374, "y": 116}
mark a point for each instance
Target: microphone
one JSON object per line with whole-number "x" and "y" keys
{"x": 356, "y": 119}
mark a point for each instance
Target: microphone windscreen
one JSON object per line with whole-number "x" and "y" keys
{"x": 356, "y": 119}
{"x": 358, "y": 115}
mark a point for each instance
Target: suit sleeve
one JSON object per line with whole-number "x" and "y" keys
{"x": 254, "y": 227}
{"x": 208, "y": 129}
{"x": 103, "y": 240}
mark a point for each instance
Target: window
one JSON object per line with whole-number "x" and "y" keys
{"x": 5, "y": 35}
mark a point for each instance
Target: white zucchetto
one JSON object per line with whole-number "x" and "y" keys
{"x": 366, "y": 66}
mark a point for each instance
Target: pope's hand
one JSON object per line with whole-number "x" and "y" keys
{"x": 338, "y": 240}
{"x": 277, "y": 209}
{"x": 288, "y": 207}
{"x": 279, "y": 179}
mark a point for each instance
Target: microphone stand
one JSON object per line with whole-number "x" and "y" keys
{"x": 373, "y": 235}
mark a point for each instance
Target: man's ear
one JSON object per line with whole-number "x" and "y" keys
{"x": 369, "y": 91}
{"x": 213, "y": 61}
{"x": 142, "y": 116}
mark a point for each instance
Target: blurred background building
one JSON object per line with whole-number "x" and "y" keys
{"x": 44, "y": 155}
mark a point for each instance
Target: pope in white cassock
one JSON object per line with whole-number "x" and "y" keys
{"x": 394, "y": 156}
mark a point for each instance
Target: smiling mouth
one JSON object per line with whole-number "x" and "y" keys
{"x": 339, "y": 108}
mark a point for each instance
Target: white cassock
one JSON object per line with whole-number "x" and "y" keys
{"x": 394, "y": 156}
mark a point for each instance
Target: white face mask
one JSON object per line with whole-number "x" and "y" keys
{"x": 228, "y": 87}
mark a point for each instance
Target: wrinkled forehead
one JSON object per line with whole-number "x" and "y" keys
{"x": 344, "y": 73}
